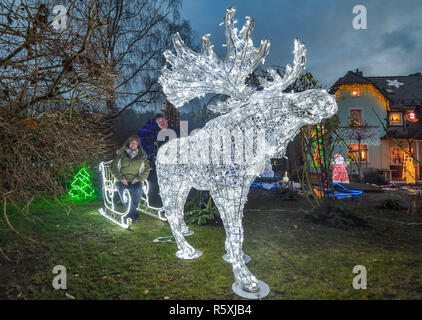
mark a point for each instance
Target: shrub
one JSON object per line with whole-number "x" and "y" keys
{"x": 288, "y": 195}
{"x": 374, "y": 177}
{"x": 202, "y": 213}
{"x": 391, "y": 204}
{"x": 40, "y": 155}
{"x": 337, "y": 214}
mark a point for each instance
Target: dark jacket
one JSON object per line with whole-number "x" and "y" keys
{"x": 124, "y": 167}
{"x": 148, "y": 135}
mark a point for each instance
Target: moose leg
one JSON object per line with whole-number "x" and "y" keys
{"x": 183, "y": 227}
{"x": 174, "y": 201}
{"x": 227, "y": 256}
{"x": 231, "y": 211}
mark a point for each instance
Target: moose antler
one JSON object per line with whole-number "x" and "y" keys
{"x": 194, "y": 75}
{"x": 291, "y": 73}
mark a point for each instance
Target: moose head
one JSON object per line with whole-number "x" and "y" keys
{"x": 270, "y": 110}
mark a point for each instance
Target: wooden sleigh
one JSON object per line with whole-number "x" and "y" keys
{"x": 111, "y": 197}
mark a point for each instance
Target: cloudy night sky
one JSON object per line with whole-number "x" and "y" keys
{"x": 390, "y": 46}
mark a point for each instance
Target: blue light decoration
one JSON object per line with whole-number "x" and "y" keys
{"x": 148, "y": 134}
{"x": 344, "y": 193}
{"x": 266, "y": 186}
{"x": 267, "y": 174}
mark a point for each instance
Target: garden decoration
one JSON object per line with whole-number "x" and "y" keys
{"x": 267, "y": 173}
{"x": 409, "y": 170}
{"x": 109, "y": 190}
{"x": 394, "y": 187}
{"x": 339, "y": 169}
{"x": 285, "y": 178}
{"x": 81, "y": 186}
{"x": 268, "y": 170}
{"x": 341, "y": 192}
{"x": 153, "y": 212}
{"x": 147, "y": 135}
{"x": 265, "y": 186}
{"x": 227, "y": 154}
{"x": 318, "y": 155}
{"x": 285, "y": 182}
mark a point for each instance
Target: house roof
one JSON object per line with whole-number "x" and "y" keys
{"x": 402, "y": 92}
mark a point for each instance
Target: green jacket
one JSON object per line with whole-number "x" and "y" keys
{"x": 123, "y": 167}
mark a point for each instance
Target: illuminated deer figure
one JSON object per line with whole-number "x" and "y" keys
{"x": 227, "y": 154}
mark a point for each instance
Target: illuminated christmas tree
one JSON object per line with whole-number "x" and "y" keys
{"x": 409, "y": 170}
{"x": 81, "y": 186}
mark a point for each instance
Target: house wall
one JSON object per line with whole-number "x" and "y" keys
{"x": 385, "y": 154}
{"x": 367, "y": 101}
{"x": 371, "y": 105}
{"x": 374, "y": 156}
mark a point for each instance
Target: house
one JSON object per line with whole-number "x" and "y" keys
{"x": 387, "y": 111}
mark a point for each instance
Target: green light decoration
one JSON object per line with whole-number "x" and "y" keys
{"x": 318, "y": 156}
{"x": 82, "y": 187}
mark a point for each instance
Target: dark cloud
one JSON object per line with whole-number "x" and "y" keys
{"x": 400, "y": 38}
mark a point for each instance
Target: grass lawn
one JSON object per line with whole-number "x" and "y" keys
{"x": 296, "y": 258}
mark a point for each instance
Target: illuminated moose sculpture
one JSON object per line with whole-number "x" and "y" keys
{"x": 227, "y": 154}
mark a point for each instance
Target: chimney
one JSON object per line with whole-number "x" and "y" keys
{"x": 359, "y": 73}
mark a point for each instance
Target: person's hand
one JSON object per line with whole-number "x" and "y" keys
{"x": 135, "y": 181}
{"x": 124, "y": 181}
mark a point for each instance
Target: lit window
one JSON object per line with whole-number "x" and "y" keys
{"x": 355, "y": 92}
{"x": 396, "y": 156}
{"x": 411, "y": 116}
{"x": 396, "y": 119}
{"x": 356, "y": 117}
{"x": 361, "y": 152}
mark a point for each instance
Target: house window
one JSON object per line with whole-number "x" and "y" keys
{"x": 396, "y": 119}
{"x": 359, "y": 152}
{"x": 355, "y": 92}
{"x": 411, "y": 116}
{"x": 356, "y": 117}
{"x": 396, "y": 156}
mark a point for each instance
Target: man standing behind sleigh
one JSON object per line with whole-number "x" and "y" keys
{"x": 169, "y": 119}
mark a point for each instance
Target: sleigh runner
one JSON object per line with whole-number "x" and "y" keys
{"x": 146, "y": 208}
{"x": 110, "y": 196}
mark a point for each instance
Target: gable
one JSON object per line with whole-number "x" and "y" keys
{"x": 345, "y": 89}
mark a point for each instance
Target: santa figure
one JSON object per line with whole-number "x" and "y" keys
{"x": 339, "y": 169}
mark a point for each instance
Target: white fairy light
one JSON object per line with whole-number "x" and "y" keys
{"x": 227, "y": 154}
{"x": 109, "y": 191}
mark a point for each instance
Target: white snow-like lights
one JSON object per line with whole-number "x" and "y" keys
{"x": 227, "y": 154}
